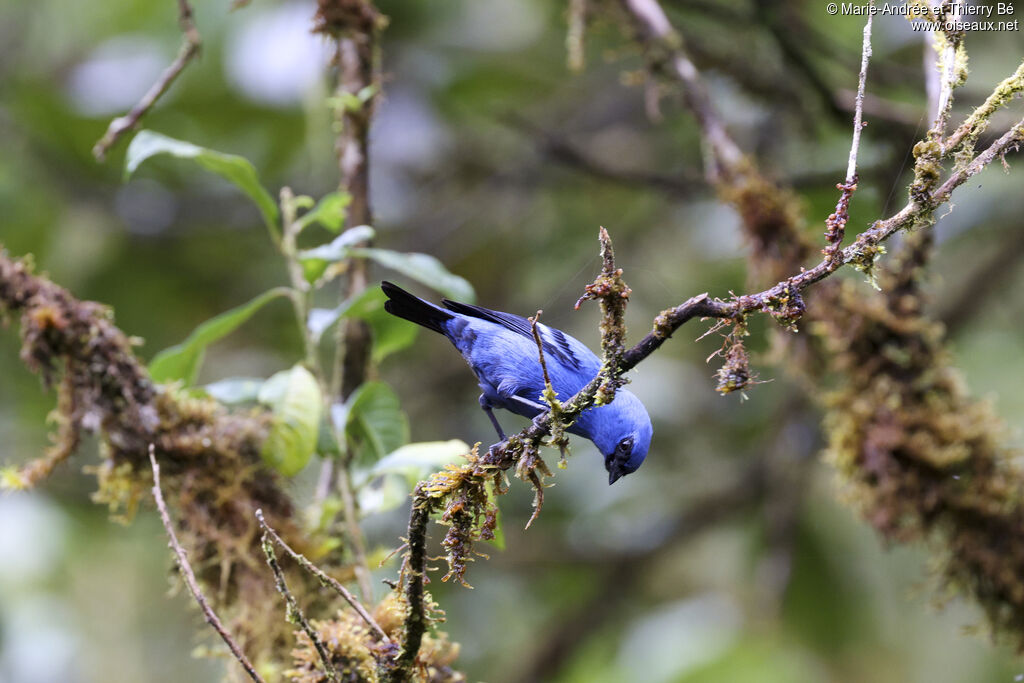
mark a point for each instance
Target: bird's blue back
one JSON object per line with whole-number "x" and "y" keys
{"x": 500, "y": 349}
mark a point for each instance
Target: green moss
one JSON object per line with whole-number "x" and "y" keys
{"x": 919, "y": 458}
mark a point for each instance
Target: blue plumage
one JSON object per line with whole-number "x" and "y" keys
{"x": 500, "y": 349}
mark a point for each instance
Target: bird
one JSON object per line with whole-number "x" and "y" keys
{"x": 501, "y": 351}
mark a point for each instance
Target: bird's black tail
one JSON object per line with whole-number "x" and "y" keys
{"x": 414, "y": 309}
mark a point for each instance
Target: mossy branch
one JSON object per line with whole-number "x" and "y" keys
{"x": 211, "y": 468}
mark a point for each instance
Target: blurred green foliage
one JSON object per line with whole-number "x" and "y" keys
{"x": 789, "y": 587}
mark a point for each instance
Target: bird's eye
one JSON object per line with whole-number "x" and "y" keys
{"x": 626, "y": 445}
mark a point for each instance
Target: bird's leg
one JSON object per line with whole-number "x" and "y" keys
{"x": 533, "y": 405}
{"x": 486, "y": 405}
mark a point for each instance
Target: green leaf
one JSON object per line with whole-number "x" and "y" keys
{"x": 387, "y": 484}
{"x": 314, "y": 261}
{"x": 384, "y": 495}
{"x": 422, "y": 268}
{"x": 231, "y": 167}
{"x": 297, "y": 405}
{"x": 390, "y": 333}
{"x": 329, "y": 212}
{"x": 417, "y": 461}
{"x": 373, "y": 417}
{"x": 182, "y": 361}
{"x": 326, "y": 443}
{"x": 234, "y": 390}
{"x": 322, "y": 319}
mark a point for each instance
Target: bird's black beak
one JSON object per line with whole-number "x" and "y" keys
{"x": 614, "y": 476}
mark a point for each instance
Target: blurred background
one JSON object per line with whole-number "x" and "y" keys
{"x": 730, "y": 556}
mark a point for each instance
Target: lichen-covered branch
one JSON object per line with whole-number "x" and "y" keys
{"x": 920, "y": 458}
{"x": 415, "y": 575}
{"x": 967, "y": 133}
{"x": 324, "y": 578}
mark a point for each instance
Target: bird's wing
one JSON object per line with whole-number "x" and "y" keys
{"x": 555, "y": 343}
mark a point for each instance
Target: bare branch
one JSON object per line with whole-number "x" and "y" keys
{"x": 667, "y": 44}
{"x": 858, "y": 124}
{"x": 190, "y": 577}
{"x": 836, "y": 222}
{"x": 190, "y": 47}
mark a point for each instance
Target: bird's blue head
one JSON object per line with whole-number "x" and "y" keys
{"x": 622, "y": 432}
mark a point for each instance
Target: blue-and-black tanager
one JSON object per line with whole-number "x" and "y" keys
{"x": 501, "y": 350}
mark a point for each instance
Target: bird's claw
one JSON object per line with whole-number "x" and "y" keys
{"x": 496, "y": 450}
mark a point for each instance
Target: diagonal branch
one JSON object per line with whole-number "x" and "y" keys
{"x": 190, "y": 46}
{"x": 294, "y": 612}
{"x": 190, "y": 577}
{"x": 325, "y": 579}
{"x": 665, "y": 44}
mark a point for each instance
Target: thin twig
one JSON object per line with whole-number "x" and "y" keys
{"x": 540, "y": 348}
{"x": 858, "y": 124}
{"x": 293, "y": 611}
{"x": 190, "y": 577}
{"x": 190, "y": 47}
{"x": 836, "y": 222}
{"x": 325, "y": 579}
